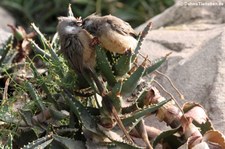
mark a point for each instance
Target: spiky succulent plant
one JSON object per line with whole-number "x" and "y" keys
{"x": 121, "y": 76}
{"x": 58, "y": 114}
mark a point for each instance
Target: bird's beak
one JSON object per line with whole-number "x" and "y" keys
{"x": 83, "y": 24}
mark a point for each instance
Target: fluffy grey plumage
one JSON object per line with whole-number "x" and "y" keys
{"x": 74, "y": 43}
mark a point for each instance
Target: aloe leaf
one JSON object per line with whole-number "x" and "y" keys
{"x": 131, "y": 83}
{"x": 82, "y": 113}
{"x": 134, "y": 123}
{"x": 141, "y": 98}
{"x": 38, "y": 50}
{"x": 124, "y": 145}
{"x": 39, "y": 143}
{"x": 115, "y": 96}
{"x": 142, "y": 36}
{"x": 45, "y": 42}
{"x": 130, "y": 108}
{"x": 92, "y": 82}
{"x": 140, "y": 40}
{"x": 56, "y": 114}
{"x": 116, "y": 90}
{"x": 140, "y": 114}
{"x": 43, "y": 84}
{"x": 26, "y": 115}
{"x": 117, "y": 141}
{"x": 139, "y": 103}
{"x": 104, "y": 66}
{"x": 112, "y": 58}
{"x": 123, "y": 64}
{"x": 34, "y": 95}
{"x": 48, "y": 46}
{"x": 10, "y": 141}
{"x": 6, "y": 117}
{"x": 155, "y": 65}
{"x": 109, "y": 101}
{"x": 63, "y": 131}
{"x": 69, "y": 143}
{"x": 204, "y": 127}
{"x": 6, "y": 49}
{"x": 55, "y": 41}
{"x": 93, "y": 111}
{"x": 169, "y": 137}
{"x": 141, "y": 129}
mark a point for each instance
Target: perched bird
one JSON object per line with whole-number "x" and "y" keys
{"x": 75, "y": 47}
{"x": 113, "y": 33}
{"x": 74, "y": 43}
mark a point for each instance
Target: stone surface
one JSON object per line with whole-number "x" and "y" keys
{"x": 3, "y": 37}
{"x": 5, "y": 18}
{"x": 196, "y": 36}
{"x": 190, "y": 11}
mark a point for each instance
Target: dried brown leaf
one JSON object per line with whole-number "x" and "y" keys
{"x": 216, "y": 137}
{"x": 195, "y": 111}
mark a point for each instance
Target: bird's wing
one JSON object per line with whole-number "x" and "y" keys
{"x": 120, "y": 26}
{"x": 73, "y": 51}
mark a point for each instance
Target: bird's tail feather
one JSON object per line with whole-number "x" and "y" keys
{"x": 91, "y": 76}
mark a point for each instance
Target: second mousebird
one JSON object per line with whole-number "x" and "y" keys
{"x": 114, "y": 34}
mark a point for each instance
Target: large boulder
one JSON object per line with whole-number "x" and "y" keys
{"x": 196, "y": 37}
{"x": 5, "y": 31}
{"x": 190, "y": 11}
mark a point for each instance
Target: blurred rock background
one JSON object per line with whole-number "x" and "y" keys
{"x": 6, "y": 18}
{"x": 195, "y": 33}
{"x": 44, "y": 12}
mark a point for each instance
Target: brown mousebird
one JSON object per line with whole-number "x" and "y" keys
{"x": 114, "y": 34}
{"x": 76, "y": 49}
{"x": 75, "y": 46}
{"x": 74, "y": 43}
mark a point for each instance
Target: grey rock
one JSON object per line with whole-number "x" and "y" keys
{"x": 185, "y": 13}
{"x": 5, "y": 31}
{"x": 3, "y": 37}
{"x": 6, "y": 18}
{"x": 197, "y": 64}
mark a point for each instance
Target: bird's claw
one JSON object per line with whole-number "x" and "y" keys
{"x": 94, "y": 42}
{"x": 128, "y": 51}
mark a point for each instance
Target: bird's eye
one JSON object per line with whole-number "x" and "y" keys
{"x": 72, "y": 23}
{"x": 85, "y": 22}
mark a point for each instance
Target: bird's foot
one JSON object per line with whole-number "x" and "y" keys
{"x": 128, "y": 51}
{"x": 94, "y": 42}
